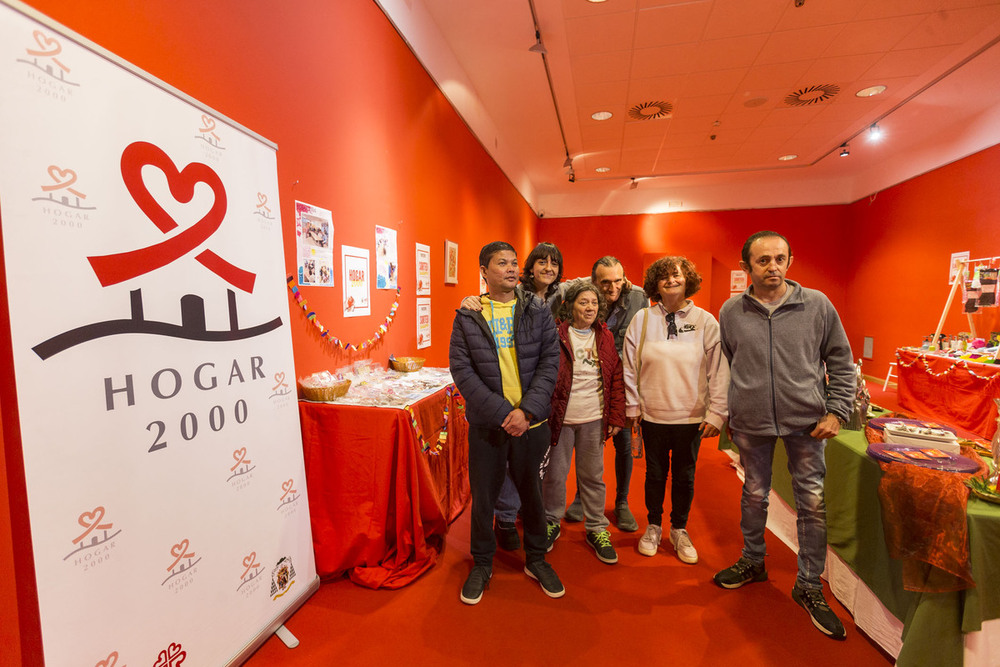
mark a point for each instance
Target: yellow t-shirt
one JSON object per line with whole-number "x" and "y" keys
{"x": 500, "y": 317}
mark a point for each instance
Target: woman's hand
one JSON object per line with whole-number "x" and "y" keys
{"x": 472, "y": 303}
{"x": 708, "y": 430}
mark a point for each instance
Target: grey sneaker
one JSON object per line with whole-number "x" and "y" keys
{"x": 551, "y": 535}
{"x": 601, "y": 543}
{"x": 624, "y": 519}
{"x": 543, "y": 573}
{"x": 477, "y": 582}
{"x": 743, "y": 571}
{"x": 822, "y": 616}
{"x": 650, "y": 540}
{"x": 682, "y": 545}
{"x": 574, "y": 513}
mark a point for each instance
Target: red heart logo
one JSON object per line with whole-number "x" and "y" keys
{"x": 89, "y": 519}
{"x": 240, "y": 454}
{"x": 250, "y": 561}
{"x": 180, "y": 550}
{"x": 110, "y": 661}
{"x": 279, "y": 378}
{"x": 50, "y": 45}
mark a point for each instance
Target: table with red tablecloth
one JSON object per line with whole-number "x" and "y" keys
{"x": 954, "y": 391}
{"x": 383, "y": 487}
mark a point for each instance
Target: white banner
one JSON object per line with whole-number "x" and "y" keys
{"x": 153, "y": 362}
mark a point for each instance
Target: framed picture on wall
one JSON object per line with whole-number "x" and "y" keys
{"x": 450, "y": 262}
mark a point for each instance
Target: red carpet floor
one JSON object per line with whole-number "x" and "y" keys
{"x": 641, "y": 611}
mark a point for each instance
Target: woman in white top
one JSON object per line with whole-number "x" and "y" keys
{"x": 676, "y": 379}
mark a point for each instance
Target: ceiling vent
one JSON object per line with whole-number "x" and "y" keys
{"x": 812, "y": 95}
{"x": 650, "y": 111}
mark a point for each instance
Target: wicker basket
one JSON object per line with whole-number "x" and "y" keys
{"x": 407, "y": 364}
{"x": 326, "y": 393}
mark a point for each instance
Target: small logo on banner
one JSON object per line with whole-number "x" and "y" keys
{"x": 262, "y": 209}
{"x": 110, "y": 661}
{"x": 50, "y": 72}
{"x": 120, "y": 267}
{"x": 94, "y": 545}
{"x": 182, "y": 568}
{"x": 241, "y": 471}
{"x": 282, "y": 577}
{"x": 172, "y": 656}
{"x": 289, "y": 495}
{"x": 251, "y": 570}
{"x": 207, "y": 133}
{"x": 280, "y": 387}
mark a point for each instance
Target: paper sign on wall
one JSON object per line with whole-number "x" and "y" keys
{"x": 386, "y": 263}
{"x": 356, "y": 281}
{"x": 314, "y": 241}
{"x": 423, "y": 270}
{"x": 423, "y": 323}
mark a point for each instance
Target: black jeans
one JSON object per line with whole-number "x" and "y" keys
{"x": 663, "y": 442}
{"x": 623, "y": 464}
{"x": 491, "y": 452}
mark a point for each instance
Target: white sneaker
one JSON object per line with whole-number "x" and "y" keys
{"x": 650, "y": 540}
{"x": 682, "y": 545}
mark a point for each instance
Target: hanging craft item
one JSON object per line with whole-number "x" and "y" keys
{"x": 426, "y": 445}
{"x": 333, "y": 340}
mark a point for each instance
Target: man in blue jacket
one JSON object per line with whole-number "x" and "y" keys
{"x": 504, "y": 360}
{"x": 791, "y": 376}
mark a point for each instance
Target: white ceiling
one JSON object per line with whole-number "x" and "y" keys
{"x": 727, "y": 69}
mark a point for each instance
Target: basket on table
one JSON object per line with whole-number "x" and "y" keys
{"x": 407, "y": 364}
{"x": 327, "y": 392}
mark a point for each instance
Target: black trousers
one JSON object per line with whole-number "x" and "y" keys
{"x": 491, "y": 452}
{"x": 664, "y": 442}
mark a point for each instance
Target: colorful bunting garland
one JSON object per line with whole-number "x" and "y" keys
{"x": 425, "y": 444}
{"x": 960, "y": 363}
{"x": 333, "y": 340}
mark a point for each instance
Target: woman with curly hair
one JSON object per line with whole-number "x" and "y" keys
{"x": 676, "y": 379}
{"x": 588, "y": 407}
{"x": 543, "y": 273}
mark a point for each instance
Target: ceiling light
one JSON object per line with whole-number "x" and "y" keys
{"x": 786, "y": 158}
{"x": 633, "y": 185}
{"x": 572, "y": 176}
{"x": 538, "y": 47}
{"x": 870, "y": 91}
{"x": 601, "y": 115}
{"x": 596, "y": 1}
{"x": 602, "y": 170}
{"x": 844, "y": 150}
{"x": 874, "y": 132}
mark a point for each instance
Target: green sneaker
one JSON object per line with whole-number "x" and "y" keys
{"x": 551, "y": 535}
{"x": 601, "y": 543}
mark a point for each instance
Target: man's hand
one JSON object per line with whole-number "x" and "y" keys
{"x": 515, "y": 423}
{"x": 827, "y": 427}
{"x": 472, "y": 303}
{"x": 613, "y": 431}
{"x": 708, "y": 430}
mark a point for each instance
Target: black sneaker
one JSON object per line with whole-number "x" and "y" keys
{"x": 477, "y": 582}
{"x": 507, "y": 537}
{"x": 543, "y": 573}
{"x": 741, "y": 572}
{"x": 601, "y": 542}
{"x": 822, "y": 616}
{"x": 551, "y": 535}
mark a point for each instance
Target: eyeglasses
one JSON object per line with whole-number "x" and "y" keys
{"x": 671, "y": 326}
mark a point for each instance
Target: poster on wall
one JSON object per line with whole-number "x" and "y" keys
{"x": 423, "y": 322}
{"x": 737, "y": 281}
{"x": 423, "y": 270}
{"x": 314, "y": 238}
{"x": 956, "y": 259}
{"x": 356, "y": 290}
{"x": 450, "y": 262}
{"x": 386, "y": 263}
{"x": 152, "y": 356}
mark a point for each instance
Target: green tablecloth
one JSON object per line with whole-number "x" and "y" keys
{"x": 933, "y": 622}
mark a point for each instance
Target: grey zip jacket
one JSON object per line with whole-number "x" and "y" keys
{"x": 787, "y": 368}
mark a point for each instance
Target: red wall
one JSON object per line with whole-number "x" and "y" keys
{"x": 712, "y": 240}
{"x": 361, "y": 130}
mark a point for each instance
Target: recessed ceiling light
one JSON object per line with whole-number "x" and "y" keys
{"x": 596, "y": 1}
{"x": 786, "y": 158}
{"x": 603, "y": 170}
{"x": 755, "y": 102}
{"x": 601, "y": 115}
{"x": 870, "y": 91}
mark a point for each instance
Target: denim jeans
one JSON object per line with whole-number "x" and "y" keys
{"x": 807, "y": 466}
{"x": 623, "y": 464}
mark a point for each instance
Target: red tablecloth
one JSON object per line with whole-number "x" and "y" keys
{"x": 380, "y": 507}
{"x": 960, "y": 393}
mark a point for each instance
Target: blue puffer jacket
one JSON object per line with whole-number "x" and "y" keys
{"x": 475, "y": 366}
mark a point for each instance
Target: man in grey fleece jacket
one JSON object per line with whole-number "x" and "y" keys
{"x": 792, "y": 376}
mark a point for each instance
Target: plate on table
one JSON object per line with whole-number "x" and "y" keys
{"x": 981, "y": 488}
{"x": 924, "y": 457}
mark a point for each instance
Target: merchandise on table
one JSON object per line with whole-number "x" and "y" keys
{"x": 899, "y": 433}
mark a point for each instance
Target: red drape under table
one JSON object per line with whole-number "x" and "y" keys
{"x": 953, "y": 391}
{"x": 379, "y": 505}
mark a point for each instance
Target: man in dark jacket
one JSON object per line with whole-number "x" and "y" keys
{"x": 792, "y": 377}
{"x": 504, "y": 360}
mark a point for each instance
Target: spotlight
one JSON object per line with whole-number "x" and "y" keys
{"x": 844, "y": 151}
{"x": 538, "y": 47}
{"x": 633, "y": 185}
{"x": 568, "y": 162}
{"x": 874, "y": 132}
{"x": 572, "y": 176}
